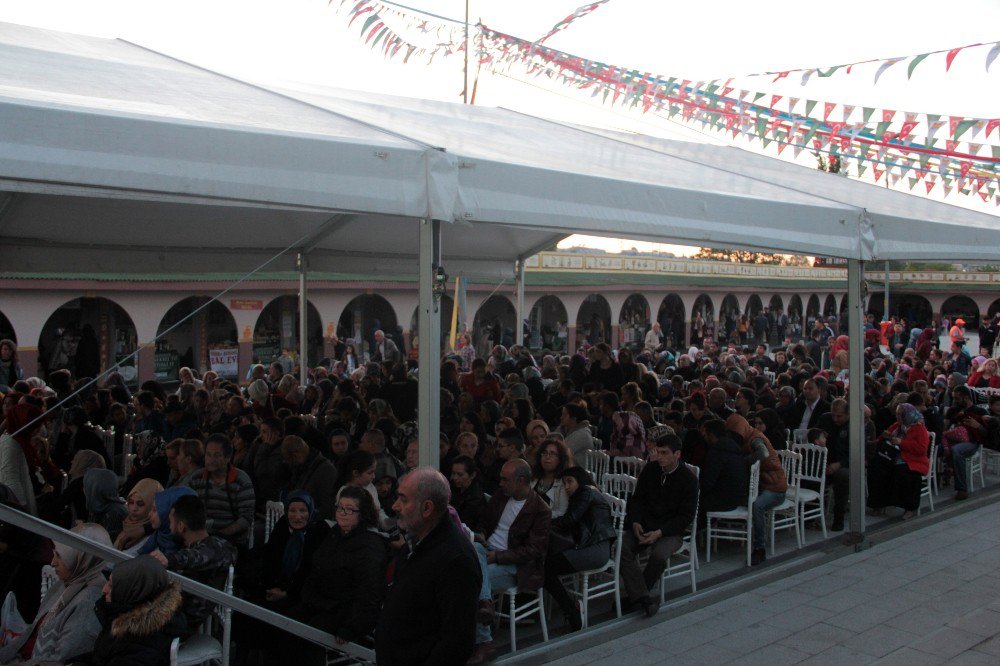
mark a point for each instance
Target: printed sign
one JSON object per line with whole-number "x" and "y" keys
{"x": 226, "y": 362}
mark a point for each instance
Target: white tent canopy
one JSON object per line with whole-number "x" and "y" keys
{"x": 103, "y": 139}
{"x": 115, "y": 158}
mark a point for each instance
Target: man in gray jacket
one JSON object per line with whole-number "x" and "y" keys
{"x": 576, "y": 429}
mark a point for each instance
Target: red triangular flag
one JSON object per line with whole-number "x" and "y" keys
{"x": 908, "y": 127}
{"x": 878, "y": 174}
{"x": 828, "y": 108}
{"x": 774, "y": 100}
{"x": 929, "y": 184}
{"x": 953, "y": 125}
{"x": 992, "y": 125}
{"x": 950, "y": 145}
{"x": 965, "y": 166}
{"x": 887, "y": 115}
{"x": 951, "y": 57}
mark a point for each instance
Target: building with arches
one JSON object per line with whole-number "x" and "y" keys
{"x": 570, "y": 298}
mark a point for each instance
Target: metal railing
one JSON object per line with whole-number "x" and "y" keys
{"x": 37, "y": 526}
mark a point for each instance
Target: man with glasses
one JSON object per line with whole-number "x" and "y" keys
{"x": 513, "y": 543}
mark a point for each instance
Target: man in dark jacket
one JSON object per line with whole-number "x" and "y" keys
{"x": 310, "y": 472}
{"x": 838, "y": 474}
{"x": 805, "y": 411}
{"x": 724, "y": 479}
{"x": 429, "y": 613}
{"x": 513, "y": 542}
{"x": 659, "y": 513}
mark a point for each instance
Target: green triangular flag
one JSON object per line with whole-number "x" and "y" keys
{"x": 810, "y": 105}
{"x": 828, "y": 72}
{"x": 674, "y": 109}
{"x": 761, "y": 125}
{"x": 757, "y": 96}
{"x": 881, "y": 128}
{"x": 996, "y": 152}
{"x": 861, "y": 170}
{"x": 809, "y": 135}
{"x": 924, "y": 160}
{"x": 867, "y": 112}
{"x": 913, "y": 64}
{"x": 963, "y": 127}
{"x": 371, "y": 19}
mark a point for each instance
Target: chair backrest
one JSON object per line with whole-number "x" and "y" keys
{"x": 272, "y": 512}
{"x": 813, "y": 467}
{"x": 48, "y": 578}
{"x": 697, "y": 503}
{"x": 175, "y": 647}
{"x": 932, "y": 455}
{"x": 754, "y": 483}
{"x": 596, "y": 462}
{"x": 630, "y": 465}
{"x": 769, "y": 376}
{"x": 660, "y": 414}
{"x": 791, "y": 462}
{"x": 128, "y": 454}
{"x": 801, "y": 436}
{"x": 618, "y": 521}
{"x": 619, "y": 485}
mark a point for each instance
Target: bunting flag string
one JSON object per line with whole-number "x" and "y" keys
{"x": 894, "y": 143}
{"x": 990, "y": 50}
{"x": 565, "y": 23}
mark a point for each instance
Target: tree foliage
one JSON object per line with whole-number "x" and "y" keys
{"x": 748, "y": 257}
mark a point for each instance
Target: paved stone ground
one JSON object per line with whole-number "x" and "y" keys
{"x": 931, "y": 596}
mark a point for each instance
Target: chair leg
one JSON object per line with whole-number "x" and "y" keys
{"x": 708, "y": 541}
{"x": 512, "y": 621}
{"x": 541, "y": 615}
{"x": 584, "y": 614}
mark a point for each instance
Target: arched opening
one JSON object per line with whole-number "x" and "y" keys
{"x": 363, "y": 316}
{"x": 206, "y": 341}
{"x": 548, "y": 322}
{"x": 445, "y": 309}
{"x": 812, "y": 312}
{"x": 634, "y": 321}
{"x": 830, "y": 306}
{"x": 7, "y": 329}
{"x": 277, "y": 328}
{"x": 671, "y": 318}
{"x": 915, "y": 309}
{"x": 964, "y": 307}
{"x": 729, "y": 316}
{"x": 795, "y": 317}
{"x": 702, "y": 320}
{"x": 494, "y": 324}
{"x": 993, "y": 309}
{"x": 87, "y": 336}
{"x": 593, "y": 321}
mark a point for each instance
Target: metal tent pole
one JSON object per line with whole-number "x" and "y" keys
{"x": 855, "y": 399}
{"x": 429, "y": 328}
{"x": 519, "y": 279}
{"x": 303, "y": 320}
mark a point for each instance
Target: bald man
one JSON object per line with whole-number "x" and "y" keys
{"x": 512, "y": 545}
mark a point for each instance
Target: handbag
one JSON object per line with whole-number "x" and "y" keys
{"x": 12, "y": 625}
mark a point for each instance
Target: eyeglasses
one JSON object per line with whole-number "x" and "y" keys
{"x": 347, "y": 510}
{"x": 550, "y": 454}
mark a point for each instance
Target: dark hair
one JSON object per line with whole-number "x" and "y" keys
{"x": 513, "y": 436}
{"x": 146, "y": 399}
{"x": 713, "y": 426}
{"x": 191, "y": 510}
{"x": 354, "y": 462}
{"x": 669, "y": 441}
{"x": 294, "y": 425}
{"x": 581, "y": 475}
{"x": 222, "y": 441}
{"x": 247, "y": 432}
{"x": 273, "y": 423}
{"x": 564, "y": 458}
{"x": 468, "y": 463}
{"x": 193, "y": 449}
{"x": 368, "y": 516}
{"x": 576, "y": 412}
{"x": 610, "y": 399}
{"x": 813, "y": 434}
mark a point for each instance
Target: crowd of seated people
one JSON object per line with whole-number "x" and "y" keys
{"x": 213, "y": 457}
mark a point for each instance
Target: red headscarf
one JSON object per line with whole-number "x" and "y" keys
{"x": 19, "y": 416}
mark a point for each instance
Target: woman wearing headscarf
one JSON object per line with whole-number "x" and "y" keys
{"x": 288, "y": 553}
{"x": 19, "y": 462}
{"x": 773, "y": 483}
{"x": 74, "y": 497}
{"x": 139, "y": 614}
{"x": 584, "y": 542}
{"x": 159, "y": 519}
{"x": 22, "y": 556}
{"x": 139, "y": 504}
{"x": 104, "y": 506}
{"x": 151, "y": 459}
{"x": 925, "y": 343}
{"x": 66, "y": 625}
{"x": 895, "y": 473}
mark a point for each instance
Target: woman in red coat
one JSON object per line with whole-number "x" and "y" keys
{"x": 896, "y": 473}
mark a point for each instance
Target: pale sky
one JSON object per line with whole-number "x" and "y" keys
{"x": 309, "y": 41}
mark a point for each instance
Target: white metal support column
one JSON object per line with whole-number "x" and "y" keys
{"x": 519, "y": 281}
{"x": 429, "y": 327}
{"x": 855, "y": 398}
{"x": 300, "y": 261}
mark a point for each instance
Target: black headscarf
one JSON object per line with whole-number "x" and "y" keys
{"x": 136, "y": 581}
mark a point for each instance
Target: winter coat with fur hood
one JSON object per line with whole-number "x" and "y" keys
{"x": 141, "y": 635}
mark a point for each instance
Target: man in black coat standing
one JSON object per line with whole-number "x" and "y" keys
{"x": 429, "y": 613}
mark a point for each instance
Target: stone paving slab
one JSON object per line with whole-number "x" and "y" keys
{"x": 928, "y": 597}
